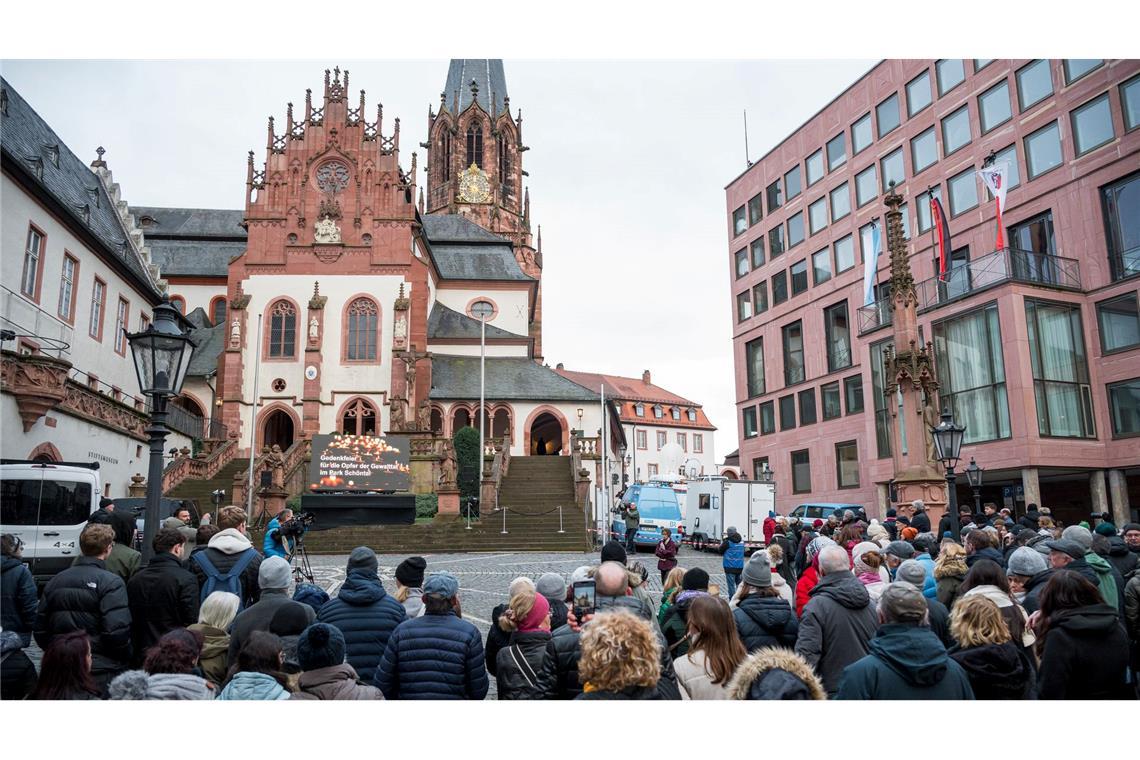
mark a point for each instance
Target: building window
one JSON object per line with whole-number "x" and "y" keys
{"x": 866, "y": 186}
{"x": 956, "y": 131}
{"x": 793, "y": 353}
{"x": 918, "y": 94}
{"x": 884, "y": 423}
{"x": 1034, "y": 84}
{"x": 807, "y": 407}
{"x": 1077, "y": 68}
{"x": 475, "y": 145}
{"x": 957, "y": 280}
{"x": 847, "y": 464}
{"x": 754, "y": 366}
{"x": 1043, "y": 150}
{"x": 1060, "y": 370}
{"x": 793, "y": 186}
{"x": 981, "y": 63}
{"x": 67, "y": 280}
{"x": 840, "y": 203}
{"x": 121, "y": 316}
{"x": 1130, "y": 103}
{"x": 923, "y": 150}
{"x": 993, "y": 106}
{"x": 282, "y": 330}
{"x": 821, "y": 266}
{"x": 676, "y": 413}
{"x": 33, "y": 255}
{"x": 749, "y": 419}
{"x": 698, "y": 443}
{"x": 795, "y": 229}
{"x": 642, "y": 440}
{"x": 1034, "y": 234}
{"x": 1121, "y": 202}
{"x": 853, "y": 390}
{"x": 652, "y": 470}
{"x": 963, "y": 190}
{"x": 832, "y": 403}
{"x": 179, "y": 303}
{"x": 801, "y": 471}
{"x": 775, "y": 196}
{"x": 658, "y": 412}
{"x": 1007, "y": 156}
{"x": 756, "y": 247}
{"x": 817, "y": 215}
{"x": 1124, "y": 403}
{"x": 739, "y": 222}
{"x": 144, "y": 322}
{"x": 861, "y": 135}
{"x": 779, "y": 287}
{"x": 951, "y": 73}
{"x": 844, "y": 254}
{"x": 788, "y": 411}
{"x": 887, "y": 115}
{"x": 98, "y": 304}
{"x": 836, "y": 152}
{"x": 893, "y": 170}
{"x": 838, "y": 333}
{"x": 691, "y": 415}
{"x": 815, "y": 167}
{"x": 767, "y": 418}
{"x": 1119, "y": 320}
{"x": 662, "y": 439}
{"x": 759, "y": 467}
{"x": 755, "y": 209}
{"x": 1092, "y": 125}
{"x": 639, "y": 410}
{"x": 504, "y": 160}
{"x": 743, "y": 306}
{"x": 359, "y": 418}
{"x": 683, "y": 439}
{"x": 760, "y": 297}
{"x": 925, "y": 221}
{"x": 799, "y": 277}
{"x": 775, "y": 241}
{"x": 363, "y": 323}
{"x": 971, "y": 373}
{"x": 741, "y": 258}
{"x": 218, "y": 311}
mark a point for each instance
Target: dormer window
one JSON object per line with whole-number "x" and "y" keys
{"x": 639, "y": 410}
{"x": 658, "y": 412}
{"x": 692, "y": 415}
{"x": 676, "y": 413}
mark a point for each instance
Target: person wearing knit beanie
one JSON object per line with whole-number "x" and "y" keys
{"x": 410, "y": 572}
{"x": 695, "y": 579}
{"x": 362, "y": 560}
{"x": 614, "y": 552}
{"x": 757, "y": 571}
{"x": 320, "y": 646}
{"x": 551, "y": 585}
{"x": 1106, "y": 529}
{"x": 526, "y": 621}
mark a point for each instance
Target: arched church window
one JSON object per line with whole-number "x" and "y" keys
{"x": 504, "y": 160}
{"x": 363, "y": 318}
{"x": 445, "y": 146}
{"x": 359, "y": 418}
{"x": 475, "y": 145}
{"x": 179, "y": 303}
{"x": 282, "y": 330}
{"x": 218, "y": 310}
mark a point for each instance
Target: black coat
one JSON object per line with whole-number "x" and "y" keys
{"x": 366, "y": 614}
{"x": 17, "y": 673}
{"x": 787, "y": 567}
{"x": 87, "y": 597}
{"x": 497, "y": 638}
{"x": 162, "y": 596}
{"x": 529, "y": 648}
{"x": 987, "y": 553}
{"x": 939, "y": 621}
{"x": 1033, "y": 590}
{"x": 250, "y": 590}
{"x": 1085, "y": 656}
{"x": 998, "y": 671}
{"x": 1121, "y": 558}
{"x": 765, "y": 621}
{"x": 920, "y": 522}
{"x": 18, "y": 599}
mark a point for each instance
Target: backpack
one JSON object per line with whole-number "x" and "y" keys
{"x": 230, "y": 581}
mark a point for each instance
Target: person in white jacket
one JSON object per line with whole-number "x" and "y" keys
{"x": 715, "y": 651}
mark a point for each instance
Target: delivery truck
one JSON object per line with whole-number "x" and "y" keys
{"x": 715, "y": 504}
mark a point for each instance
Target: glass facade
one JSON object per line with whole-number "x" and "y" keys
{"x": 795, "y": 229}
{"x": 956, "y": 131}
{"x": 779, "y": 287}
{"x": 754, "y": 366}
{"x": 1092, "y": 125}
{"x": 775, "y": 241}
{"x": 760, "y": 297}
{"x": 1121, "y": 204}
{"x": 815, "y": 167}
{"x": 793, "y": 185}
{"x": 743, "y": 306}
{"x": 793, "y": 353}
{"x": 853, "y": 391}
{"x": 994, "y": 106}
{"x": 884, "y": 422}
{"x": 951, "y": 73}
{"x": 923, "y": 150}
{"x": 861, "y": 135}
{"x": 1043, "y": 150}
{"x": 739, "y": 222}
{"x": 821, "y": 266}
{"x": 1124, "y": 403}
{"x": 1060, "y": 370}
{"x": 756, "y": 247}
{"x": 755, "y": 208}
{"x": 1034, "y": 84}
{"x": 832, "y": 403}
{"x": 801, "y": 471}
{"x": 844, "y": 254}
{"x": 775, "y": 195}
{"x": 887, "y": 115}
{"x": 1119, "y": 320}
{"x": 893, "y": 170}
{"x": 866, "y": 186}
{"x": 817, "y": 215}
{"x": 836, "y": 152}
{"x": 807, "y": 406}
{"x": 767, "y": 418}
{"x": 748, "y": 416}
{"x": 741, "y": 257}
{"x": 1076, "y": 68}
{"x": 837, "y": 331}
{"x": 840, "y": 202}
{"x": 1130, "y": 103}
{"x": 788, "y": 412}
{"x": 918, "y": 93}
{"x": 799, "y": 277}
{"x": 971, "y": 373}
{"x": 847, "y": 464}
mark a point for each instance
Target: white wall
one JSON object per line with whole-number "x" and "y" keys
{"x": 466, "y": 349}
{"x": 197, "y": 295}
{"x": 513, "y": 305}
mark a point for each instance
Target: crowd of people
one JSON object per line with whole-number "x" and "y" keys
{"x": 847, "y": 608}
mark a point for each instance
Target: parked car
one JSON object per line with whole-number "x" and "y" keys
{"x": 659, "y": 508}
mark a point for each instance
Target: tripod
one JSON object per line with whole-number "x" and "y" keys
{"x": 303, "y": 572}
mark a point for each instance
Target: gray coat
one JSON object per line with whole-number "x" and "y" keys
{"x": 838, "y": 624}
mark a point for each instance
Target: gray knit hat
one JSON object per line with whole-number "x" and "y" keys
{"x": 362, "y": 558}
{"x": 551, "y": 585}
{"x": 758, "y": 572}
{"x": 911, "y": 571}
{"x": 1080, "y": 534}
{"x": 273, "y": 573}
{"x": 1027, "y": 562}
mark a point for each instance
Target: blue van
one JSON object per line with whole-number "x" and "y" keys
{"x": 659, "y": 508}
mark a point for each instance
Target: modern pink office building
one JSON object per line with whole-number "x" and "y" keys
{"x": 1036, "y": 345}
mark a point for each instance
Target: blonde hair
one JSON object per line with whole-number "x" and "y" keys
{"x": 402, "y": 592}
{"x": 951, "y": 561}
{"x": 520, "y": 584}
{"x": 519, "y": 607}
{"x": 977, "y": 621}
{"x": 674, "y": 579}
{"x": 775, "y": 555}
{"x": 219, "y": 610}
{"x": 619, "y": 651}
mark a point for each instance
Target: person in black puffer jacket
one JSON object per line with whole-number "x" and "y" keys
{"x": 1121, "y": 558}
{"x": 527, "y": 619}
{"x": 996, "y": 667}
{"x": 763, "y": 618}
{"x": 364, "y": 612}
{"x": 497, "y": 637}
{"x": 19, "y": 598}
{"x": 17, "y": 673}
{"x": 87, "y": 597}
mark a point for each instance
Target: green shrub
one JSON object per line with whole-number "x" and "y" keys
{"x": 427, "y": 504}
{"x": 467, "y": 461}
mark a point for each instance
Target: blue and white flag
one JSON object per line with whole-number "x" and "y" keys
{"x": 871, "y": 265}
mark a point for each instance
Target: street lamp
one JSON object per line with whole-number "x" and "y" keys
{"x": 765, "y": 473}
{"x": 948, "y": 445}
{"x": 974, "y": 475}
{"x": 162, "y": 355}
{"x": 580, "y": 420}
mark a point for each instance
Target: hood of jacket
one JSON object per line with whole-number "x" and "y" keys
{"x": 987, "y": 553}
{"x": 10, "y": 641}
{"x": 330, "y": 676}
{"x": 137, "y": 684}
{"x": 994, "y": 664}
{"x": 844, "y": 588}
{"x": 230, "y": 541}
{"x": 173, "y": 522}
{"x": 1094, "y": 620}
{"x": 10, "y": 563}
{"x": 993, "y": 593}
{"x": 247, "y": 685}
{"x": 950, "y": 567}
{"x": 361, "y": 589}
{"x": 215, "y": 641}
{"x": 1098, "y": 563}
{"x": 1116, "y": 548}
{"x": 914, "y": 652}
{"x": 734, "y": 537}
{"x": 771, "y": 612}
{"x": 775, "y": 673}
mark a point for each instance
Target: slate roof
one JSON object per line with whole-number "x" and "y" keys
{"x": 208, "y": 344}
{"x": 462, "y": 250}
{"x": 29, "y": 142}
{"x": 444, "y": 323}
{"x": 507, "y": 378}
{"x": 453, "y": 228}
{"x": 488, "y": 75}
{"x": 203, "y": 258}
{"x": 190, "y": 222}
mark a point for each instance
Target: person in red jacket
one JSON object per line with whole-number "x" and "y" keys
{"x": 666, "y": 554}
{"x": 810, "y": 577}
{"x": 769, "y": 527}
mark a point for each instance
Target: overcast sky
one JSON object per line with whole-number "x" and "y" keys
{"x": 628, "y": 164}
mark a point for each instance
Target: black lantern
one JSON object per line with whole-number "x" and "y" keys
{"x": 974, "y": 475}
{"x": 765, "y": 473}
{"x": 948, "y": 440}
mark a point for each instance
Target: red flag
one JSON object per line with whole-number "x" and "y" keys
{"x": 938, "y": 219}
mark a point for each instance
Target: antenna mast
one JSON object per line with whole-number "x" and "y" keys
{"x": 746, "y": 157}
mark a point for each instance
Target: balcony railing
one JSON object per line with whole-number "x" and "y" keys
{"x": 189, "y": 424}
{"x": 1006, "y": 265}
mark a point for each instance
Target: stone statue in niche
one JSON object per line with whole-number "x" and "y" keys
{"x": 235, "y": 333}
{"x": 423, "y": 416}
{"x": 398, "y": 414}
{"x": 274, "y": 461}
{"x": 400, "y": 333}
{"x": 930, "y": 419}
{"x": 326, "y": 231}
{"x": 314, "y": 330}
{"x": 447, "y": 466}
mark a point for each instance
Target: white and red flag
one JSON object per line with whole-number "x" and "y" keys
{"x": 995, "y": 178}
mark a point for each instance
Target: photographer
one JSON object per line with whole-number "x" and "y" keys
{"x": 277, "y": 534}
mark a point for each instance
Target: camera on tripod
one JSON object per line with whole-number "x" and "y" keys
{"x": 296, "y": 527}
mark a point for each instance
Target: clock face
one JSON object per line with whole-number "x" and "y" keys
{"x": 474, "y": 187}
{"x": 332, "y": 176}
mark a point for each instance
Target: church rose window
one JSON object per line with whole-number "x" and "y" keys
{"x": 282, "y": 330}
{"x": 332, "y": 176}
{"x": 363, "y": 317}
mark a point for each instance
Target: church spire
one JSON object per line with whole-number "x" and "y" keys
{"x": 490, "y": 84}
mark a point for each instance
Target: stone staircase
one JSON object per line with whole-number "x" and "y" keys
{"x": 202, "y": 490}
{"x": 531, "y": 494}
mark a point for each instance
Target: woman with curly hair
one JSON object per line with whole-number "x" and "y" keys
{"x": 168, "y": 671}
{"x": 950, "y": 571}
{"x": 621, "y": 658}
{"x": 669, "y": 593}
{"x": 527, "y": 620}
{"x": 997, "y": 668}
{"x": 714, "y": 653}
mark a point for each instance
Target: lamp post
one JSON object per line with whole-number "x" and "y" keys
{"x": 948, "y": 445}
{"x": 161, "y": 355}
{"x": 621, "y": 464}
{"x": 974, "y": 475}
{"x": 765, "y": 473}
{"x": 482, "y": 310}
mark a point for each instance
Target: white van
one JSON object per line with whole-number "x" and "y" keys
{"x": 46, "y": 505}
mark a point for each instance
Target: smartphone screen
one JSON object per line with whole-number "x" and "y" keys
{"x": 584, "y": 595}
